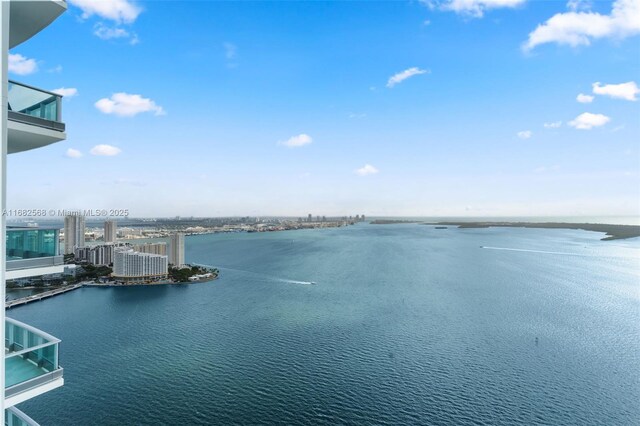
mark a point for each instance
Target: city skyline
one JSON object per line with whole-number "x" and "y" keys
{"x": 433, "y": 108}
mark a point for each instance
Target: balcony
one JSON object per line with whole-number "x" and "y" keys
{"x": 34, "y": 118}
{"x": 31, "y": 362}
{"x": 32, "y": 252}
{"x": 15, "y": 417}
{"x": 29, "y": 17}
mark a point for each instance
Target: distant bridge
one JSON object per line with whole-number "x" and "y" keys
{"x": 36, "y": 297}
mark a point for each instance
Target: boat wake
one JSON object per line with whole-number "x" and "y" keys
{"x": 298, "y": 282}
{"x": 534, "y": 251}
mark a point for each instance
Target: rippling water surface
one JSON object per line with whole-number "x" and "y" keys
{"x": 405, "y": 324}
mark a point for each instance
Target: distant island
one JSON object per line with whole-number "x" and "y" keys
{"x": 392, "y": 221}
{"x": 614, "y": 232}
{"x": 192, "y": 273}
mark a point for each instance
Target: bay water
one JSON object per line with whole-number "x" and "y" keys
{"x": 363, "y": 325}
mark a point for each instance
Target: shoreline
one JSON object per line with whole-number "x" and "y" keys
{"x": 159, "y": 283}
{"x": 108, "y": 284}
{"x": 613, "y": 232}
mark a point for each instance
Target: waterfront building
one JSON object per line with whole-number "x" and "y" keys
{"x": 74, "y": 229}
{"x": 151, "y": 248}
{"x": 130, "y": 266}
{"x": 176, "y": 250}
{"x": 129, "y": 232}
{"x": 200, "y": 277}
{"x": 110, "y": 231}
{"x": 30, "y": 118}
{"x": 97, "y": 255}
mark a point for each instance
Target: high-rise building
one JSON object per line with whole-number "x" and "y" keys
{"x": 30, "y": 118}
{"x": 97, "y": 255}
{"x": 74, "y": 227}
{"x": 151, "y": 248}
{"x": 110, "y": 231}
{"x": 176, "y": 250}
{"x": 131, "y": 266}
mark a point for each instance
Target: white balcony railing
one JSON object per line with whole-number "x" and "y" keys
{"x": 31, "y": 358}
{"x": 15, "y": 417}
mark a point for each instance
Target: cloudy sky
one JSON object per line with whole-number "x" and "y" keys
{"x": 421, "y": 108}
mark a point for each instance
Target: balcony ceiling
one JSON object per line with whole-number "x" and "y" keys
{"x": 28, "y": 17}
{"x": 23, "y": 137}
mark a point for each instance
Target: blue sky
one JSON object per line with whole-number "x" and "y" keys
{"x": 286, "y": 108}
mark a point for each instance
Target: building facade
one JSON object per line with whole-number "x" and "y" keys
{"x": 130, "y": 266}
{"x": 110, "y": 231}
{"x": 151, "y": 248}
{"x": 101, "y": 255}
{"x": 30, "y": 118}
{"x": 74, "y": 228}
{"x": 176, "y": 252}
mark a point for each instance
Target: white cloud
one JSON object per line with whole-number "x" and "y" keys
{"x": 134, "y": 39}
{"x": 231, "y": 53}
{"x": 56, "y": 69}
{"x": 21, "y": 65}
{"x": 552, "y": 125}
{"x": 626, "y": 91}
{"x": 68, "y": 92}
{"x": 587, "y": 120}
{"x": 105, "y": 32}
{"x": 105, "y": 150}
{"x": 403, "y": 75}
{"x": 584, "y": 99}
{"x": 230, "y": 50}
{"x": 366, "y": 170}
{"x": 472, "y": 8}
{"x": 579, "y": 28}
{"x": 127, "y": 105}
{"x": 579, "y": 5}
{"x": 115, "y": 10}
{"x": 73, "y": 153}
{"x": 297, "y": 141}
{"x": 525, "y": 134}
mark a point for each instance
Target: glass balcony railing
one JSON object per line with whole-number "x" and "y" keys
{"x": 31, "y": 358}
{"x": 33, "y": 102}
{"x": 32, "y": 248}
{"x": 15, "y": 417}
{"x": 30, "y": 243}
